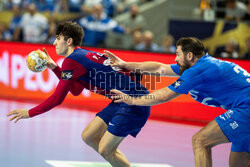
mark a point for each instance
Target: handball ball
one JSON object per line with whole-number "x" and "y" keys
{"x": 37, "y": 61}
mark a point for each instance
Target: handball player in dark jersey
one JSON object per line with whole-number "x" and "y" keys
{"x": 91, "y": 70}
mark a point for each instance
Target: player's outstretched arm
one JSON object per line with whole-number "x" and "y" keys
{"x": 18, "y": 114}
{"x": 157, "y": 97}
{"x": 152, "y": 68}
{"x": 55, "y": 99}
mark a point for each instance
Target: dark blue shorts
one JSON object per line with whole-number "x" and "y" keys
{"x": 236, "y": 128}
{"x": 123, "y": 119}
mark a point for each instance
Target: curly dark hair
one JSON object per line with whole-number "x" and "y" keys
{"x": 191, "y": 44}
{"x": 71, "y": 30}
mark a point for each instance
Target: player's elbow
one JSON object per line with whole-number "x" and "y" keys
{"x": 56, "y": 101}
{"x": 75, "y": 93}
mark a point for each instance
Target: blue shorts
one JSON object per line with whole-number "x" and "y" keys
{"x": 123, "y": 119}
{"x": 236, "y": 128}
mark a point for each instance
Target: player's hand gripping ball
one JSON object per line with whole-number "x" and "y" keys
{"x": 37, "y": 61}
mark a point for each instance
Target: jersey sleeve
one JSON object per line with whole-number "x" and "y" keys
{"x": 55, "y": 99}
{"x": 188, "y": 80}
{"x": 71, "y": 71}
{"x": 57, "y": 71}
{"x": 175, "y": 68}
{"x": 76, "y": 87}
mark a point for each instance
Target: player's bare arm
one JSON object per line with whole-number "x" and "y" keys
{"x": 157, "y": 97}
{"x": 153, "y": 68}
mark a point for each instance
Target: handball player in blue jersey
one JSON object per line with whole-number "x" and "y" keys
{"x": 86, "y": 69}
{"x": 210, "y": 81}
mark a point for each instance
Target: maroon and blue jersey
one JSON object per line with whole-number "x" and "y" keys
{"x": 90, "y": 70}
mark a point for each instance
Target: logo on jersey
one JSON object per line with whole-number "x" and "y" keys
{"x": 234, "y": 125}
{"x": 177, "y": 83}
{"x": 67, "y": 74}
{"x": 111, "y": 124}
{"x": 96, "y": 57}
{"x": 227, "y": 115}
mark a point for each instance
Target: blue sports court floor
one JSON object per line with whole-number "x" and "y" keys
{"x": 54, "y": 140}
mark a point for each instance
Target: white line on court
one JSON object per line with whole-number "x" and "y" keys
{"x": 97, "y": 164}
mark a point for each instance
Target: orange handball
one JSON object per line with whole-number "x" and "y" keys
{"x": 37, "y": 61}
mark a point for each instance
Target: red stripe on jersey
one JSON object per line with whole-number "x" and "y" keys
{"x": 100, "y": 59}
{"x": 97, "y": 58}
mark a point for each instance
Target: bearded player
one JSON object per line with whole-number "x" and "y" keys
{"x": 211, "y": 82}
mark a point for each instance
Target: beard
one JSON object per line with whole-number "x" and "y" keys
{"x": 184, "y": 67}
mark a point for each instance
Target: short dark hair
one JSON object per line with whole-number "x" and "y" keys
{"x": 191, "y": 44}
{"x": 71, "y": 30}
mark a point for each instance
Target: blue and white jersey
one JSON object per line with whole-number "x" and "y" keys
{"x": 95, "y": 29}
{"x": 214, "y": 82}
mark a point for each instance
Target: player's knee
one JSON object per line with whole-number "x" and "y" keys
{"x": 199, "y": 140}
{"x": 84, "y": 137}
{"x": 105, "y": 153}
{"x": 87, "y": 139}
